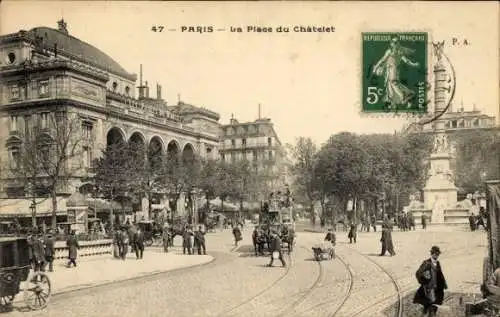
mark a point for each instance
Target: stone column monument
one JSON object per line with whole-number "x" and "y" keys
{"x": 440, "y": 191}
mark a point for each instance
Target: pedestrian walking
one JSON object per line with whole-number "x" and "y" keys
{"x": 276, "y": 249}
{"x": 49, "y": 250}
{"x": 374, "y": 223}
{"x": 352, "y": 233}
{"x": 472, "y": 222}
{"x": 411, "y": 220}
{"x": 38, "y": 252}
{"x": 424, "y": 222}
{"x": 187, "y": 244}
{"x": 330, "y": 237}
{"x": 166, "y": 238}
{"x": 199, "y": 240}
{"x": 73, "y": 246}
{"x": 237, "y": 235}
{"x": 432, "y": 284}
{"x": 386, "y": 238}
{"x": 123, "y": 243}
{"x": 139, "y": 243}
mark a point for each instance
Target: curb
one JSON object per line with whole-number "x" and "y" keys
{"x": 154, "y": 273}
{"x": 313, "y": 230}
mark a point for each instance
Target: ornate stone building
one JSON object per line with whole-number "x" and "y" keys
{"x": 257, "y": 142}
{"x": 46, "y": 71}
{"x": 453, "y": 121}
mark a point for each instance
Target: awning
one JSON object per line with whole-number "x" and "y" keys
{"x": 21, "y": 207}
{"x": 102, "y": 205}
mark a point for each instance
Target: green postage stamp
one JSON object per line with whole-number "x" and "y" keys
{"x": 394, "y": 72}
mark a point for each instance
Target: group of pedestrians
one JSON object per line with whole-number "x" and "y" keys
{"x": 193, "y": 239}
{"x": 475, "y": 221}
{"x": 128, "y": 236}
{"x": 41, "y": 250}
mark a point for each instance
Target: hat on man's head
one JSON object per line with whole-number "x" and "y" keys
{"x": 435, "y": 250}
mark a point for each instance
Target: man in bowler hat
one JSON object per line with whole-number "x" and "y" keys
{"x": 432, "y": 284}
{"x": 49, "y": 250}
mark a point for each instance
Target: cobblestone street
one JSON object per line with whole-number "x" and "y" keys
{"x": 238, "y": 283}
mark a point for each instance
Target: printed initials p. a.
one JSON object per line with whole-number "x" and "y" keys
{"x": 373, "y": 95}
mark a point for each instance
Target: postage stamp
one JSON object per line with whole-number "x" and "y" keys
{"x": 394, "y": 71}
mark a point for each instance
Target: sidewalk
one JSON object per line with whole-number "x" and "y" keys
{"x": 101, "y": 270}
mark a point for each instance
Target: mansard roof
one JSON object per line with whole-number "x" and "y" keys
{"x": 76, "y": 48}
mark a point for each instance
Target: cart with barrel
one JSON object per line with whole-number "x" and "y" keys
{"x": 15, "y": 268}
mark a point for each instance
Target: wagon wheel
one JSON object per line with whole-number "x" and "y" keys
{"x": 37, "y": 291}
{"x": 6, "y": 302}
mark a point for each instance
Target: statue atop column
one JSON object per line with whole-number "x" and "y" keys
{"x": 438, "y": 50}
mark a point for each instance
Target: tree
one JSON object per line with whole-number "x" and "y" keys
{"x": 180, "y": 175}
{"x": 47, "y": 153}
{"x": 304, "y": 169}
{"x": 477, "y": 157}
{"x": 208, "y": 182}
{"x": 114, "y": 173}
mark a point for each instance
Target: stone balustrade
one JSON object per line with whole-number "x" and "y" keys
{"x": 87, "y": 248}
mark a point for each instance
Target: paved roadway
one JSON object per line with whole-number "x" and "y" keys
{"x": 238, "y": 283}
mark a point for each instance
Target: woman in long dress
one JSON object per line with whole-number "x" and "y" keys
{"x": 396, "y": 93}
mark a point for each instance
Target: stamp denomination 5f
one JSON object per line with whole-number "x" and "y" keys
{"x": 394, "y": 72}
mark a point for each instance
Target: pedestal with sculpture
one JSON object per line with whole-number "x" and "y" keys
{"x": 440, "y": 205}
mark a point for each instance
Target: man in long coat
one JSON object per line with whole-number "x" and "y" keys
{"x": 199, "y": 241}
{"x": 386, "y": 238}
{"x": 49, "y": 250}
{"x": 138, "y": 242}
{"x": 123, "y": 243}
{"x": 187, "y": 243}
{"x": 432, "y": 284}
{"x": 276, "y": 247}
{"x": 352, "y": 233}
{"x": 38, "y": 252}
{"x": 73, "y": 246}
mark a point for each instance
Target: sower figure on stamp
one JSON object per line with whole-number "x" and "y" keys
{"x": 396, "y": 93}
{"x": 276, "y": 249}
{"x": 432, "y": 284}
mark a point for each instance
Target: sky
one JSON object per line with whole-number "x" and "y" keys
{"x": 309, "y": 84}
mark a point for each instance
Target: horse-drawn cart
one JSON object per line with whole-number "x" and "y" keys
{"x": 15, "y": 268}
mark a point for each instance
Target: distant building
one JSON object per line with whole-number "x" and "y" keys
{"x": 452, "y": 122}
{"x": 259, "y": 143}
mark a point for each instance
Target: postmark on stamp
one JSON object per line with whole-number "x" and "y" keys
{"x": 394, "y": 72}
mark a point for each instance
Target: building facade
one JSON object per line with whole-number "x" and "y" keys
{"x": 258, "y": 143}
{"x": 453, "y": 121}
{"x": 47, "y": 72}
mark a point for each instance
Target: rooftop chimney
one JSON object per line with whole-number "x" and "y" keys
{"x": 146, "y": 89}
{"x": 142, "y": 89}
{"x": 158, "y": 92}
{"x": 62, "y": 26}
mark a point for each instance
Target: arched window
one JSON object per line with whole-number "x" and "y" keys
{"x": 127, "y": 91}
{"x": 14, "y": 157}
{"x": 115, "y": 86}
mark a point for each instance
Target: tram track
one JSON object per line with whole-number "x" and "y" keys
{"x": 305, "y": 293}
{"x": 261, "y": 292}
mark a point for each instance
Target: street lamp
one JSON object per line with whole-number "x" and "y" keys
{"x": 33, "y": 214}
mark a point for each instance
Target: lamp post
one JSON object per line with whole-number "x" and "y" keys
{"x": 33, "y": 214}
